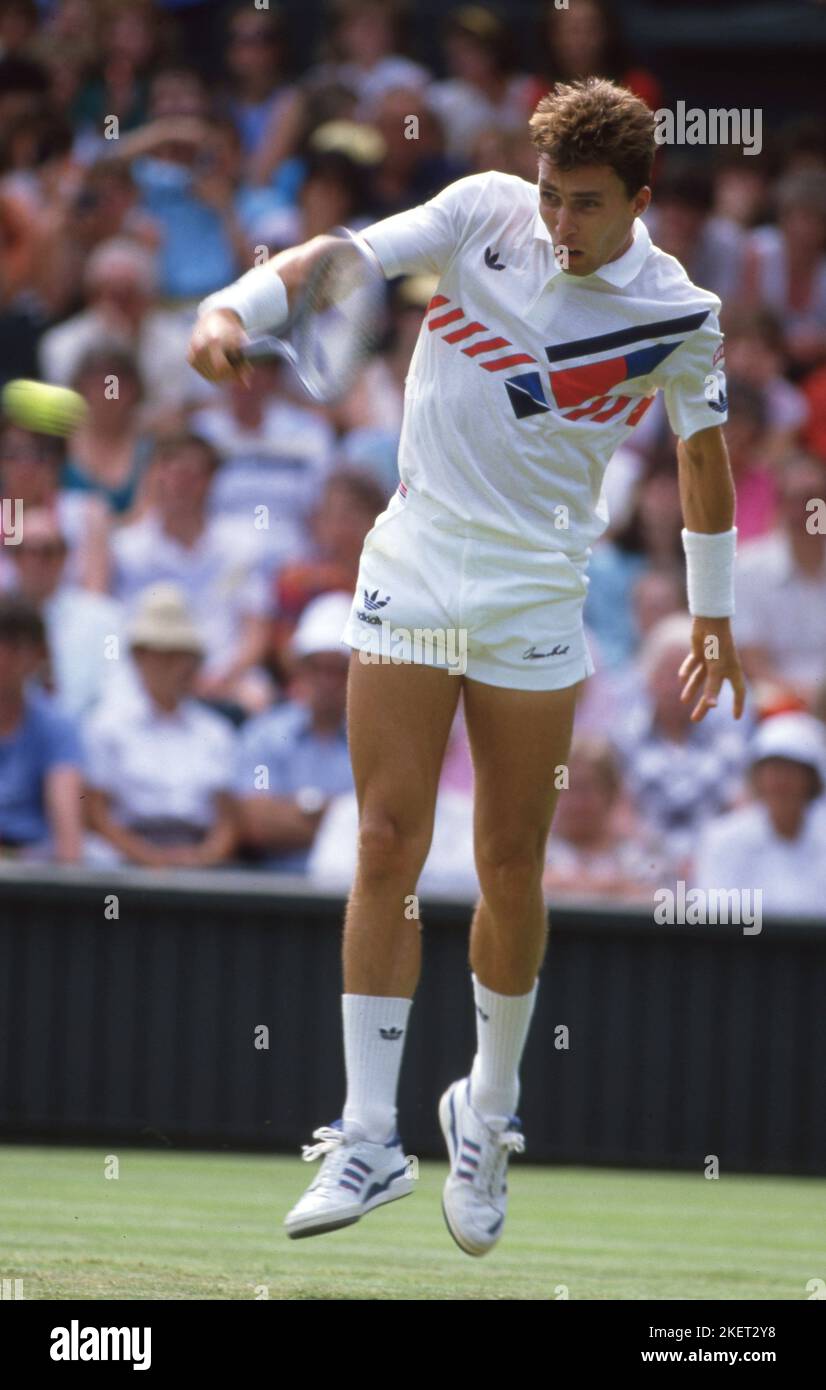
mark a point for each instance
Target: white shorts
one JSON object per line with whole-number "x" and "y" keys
{"x": 435, "y": 590}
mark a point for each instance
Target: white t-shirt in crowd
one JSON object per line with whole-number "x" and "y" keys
{"x": 743, "y": 851}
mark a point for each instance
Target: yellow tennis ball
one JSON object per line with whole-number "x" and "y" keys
{"x": 45, "y": 409}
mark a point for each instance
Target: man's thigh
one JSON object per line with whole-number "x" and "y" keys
{"x": 520, "y": 739}
{"x": 399, "y": 717}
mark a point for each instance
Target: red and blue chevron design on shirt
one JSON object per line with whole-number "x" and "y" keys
{"x": 577, "y": 391}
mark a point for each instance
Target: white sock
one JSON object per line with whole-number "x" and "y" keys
{"x": 375, "y": 1028}
{"x": 502, "y": 1022}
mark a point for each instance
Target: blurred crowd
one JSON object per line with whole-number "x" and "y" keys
{"x": 172, "y": 684}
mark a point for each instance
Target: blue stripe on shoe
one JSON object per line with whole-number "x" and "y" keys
{"x": 352, "y": 1186}
{"x": 359, "y": 1162}
{"x": 477, "y": 1148}
{"x": 383, "y": 1186}
{"x": 356, "y": 1176}
{"x": 495, "y": 1227}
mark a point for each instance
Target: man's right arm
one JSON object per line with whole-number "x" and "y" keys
{"x": 220, "y": 330}
{"x": 419, "y": 241}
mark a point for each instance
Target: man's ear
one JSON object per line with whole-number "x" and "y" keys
{"x": 641, "y": 201}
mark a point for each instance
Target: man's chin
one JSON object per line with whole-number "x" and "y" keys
{"x": 578, "y": 264}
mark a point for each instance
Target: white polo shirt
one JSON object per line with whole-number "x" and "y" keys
{"x": 525, "y": 378}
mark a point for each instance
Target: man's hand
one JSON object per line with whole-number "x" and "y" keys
{"x": 712, "y": 660}
{"x": 214, "y": 335}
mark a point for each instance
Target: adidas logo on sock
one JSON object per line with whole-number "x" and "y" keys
{"x": 391, "y": 1034}
{"x": 480, "y": 1011}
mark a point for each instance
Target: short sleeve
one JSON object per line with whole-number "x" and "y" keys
{"x": 260, "y": 763}
{"x": 63, "y": 745}
{"x": 423, "y": 239}
{"x": 695, "y": 388}
{"x": 101, "y": 754}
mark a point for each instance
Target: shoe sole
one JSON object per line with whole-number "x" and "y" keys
{"x": 320, "y": 1226}
{"x": 444, "y": 1121}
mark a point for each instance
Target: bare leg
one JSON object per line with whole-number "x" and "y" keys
{"x": 518, "y": 739}
{"x": 399, "y": 719}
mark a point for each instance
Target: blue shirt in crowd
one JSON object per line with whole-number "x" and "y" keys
{"x": 44, "y": 739}
{"x": 283, "y": 741}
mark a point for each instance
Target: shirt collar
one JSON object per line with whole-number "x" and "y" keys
{"x": 619, "y": 272}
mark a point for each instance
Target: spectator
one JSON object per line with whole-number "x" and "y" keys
{"x": 276, "y": 456}
{"x": 589, "y": 853}
{"x": 777, "y": 844}
{"x": 483, "y": 89}
{"x": 107, "y": 455}
{"x": 159, "y": 764}
{"x": 755, "y": 486}
{"x": 30, "y": 469}
{"x": 215, "y": 560}
{"x": 129, "y": 44}
{"x": 348, "y": 507}
{"x": 449, "y": 867}
{"x": 755, "y": 354}
{"x": 261, "y": 102}
{"x": 40, "y": 773}
{"x": 412, "y": 170}
{"x": 171, "y": 162}
{"x": 780, "y": 615}
{"x": 586, "y": 40}
{"x": 741, "y": 188}
{"x": 651, "y": 536}
{"x": 657, "y": 593}
{"x": 785, "y": 268}
{"x": 814, "y": 434}
{"x": 18, "y": 26}
{"x": 122, "y": 309}
{"x": 295, "y": 759}
{"x": 682, "y": 224}
{"x": 365, "y": 40}
{"x": 677, "y": 773}
{"x": 82, "y": 628}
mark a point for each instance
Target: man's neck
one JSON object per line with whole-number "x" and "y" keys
{"x": 185, "y": 527}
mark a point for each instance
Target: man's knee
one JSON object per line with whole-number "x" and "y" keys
{"x": 389, "y": 847}
{"x": 509, "y": 866}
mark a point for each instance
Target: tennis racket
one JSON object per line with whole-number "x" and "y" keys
{"x": 336, "y": 324}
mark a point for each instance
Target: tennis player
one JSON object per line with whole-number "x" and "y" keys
{"x": 554, "y": 323}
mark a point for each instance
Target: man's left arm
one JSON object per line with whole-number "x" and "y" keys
{"x": 707, "y": 496}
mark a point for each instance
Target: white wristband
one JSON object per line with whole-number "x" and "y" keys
{"x": 710, "y": 572}
{"x": 259, "y": 299}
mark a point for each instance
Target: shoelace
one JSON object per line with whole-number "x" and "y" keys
{"x": 332, "y": 1146}
{"x": 330, "y": 1139}
{"x": 491, "y": 1171}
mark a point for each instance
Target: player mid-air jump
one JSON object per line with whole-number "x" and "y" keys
{"x": 554, "y": 323}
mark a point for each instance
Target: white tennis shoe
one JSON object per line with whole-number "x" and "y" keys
{"x": 475, "y": 1199}
{"x": 355, "y": 1177}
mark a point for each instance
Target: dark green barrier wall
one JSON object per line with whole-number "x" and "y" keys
{"x": 683, "y": 1041}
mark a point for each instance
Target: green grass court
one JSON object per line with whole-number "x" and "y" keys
{"x": 208, "y": 1226}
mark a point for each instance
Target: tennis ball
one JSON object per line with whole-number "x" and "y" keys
{"x": 45, "y": 409}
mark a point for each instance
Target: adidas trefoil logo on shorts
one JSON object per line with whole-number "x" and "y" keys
{"x": 391, "y": 1034}
{"x": 372, "y": 602}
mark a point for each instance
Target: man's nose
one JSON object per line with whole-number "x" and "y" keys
{"x": 565, "y": 227}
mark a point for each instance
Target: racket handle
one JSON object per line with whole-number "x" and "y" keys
{"x": 258, "y": 350}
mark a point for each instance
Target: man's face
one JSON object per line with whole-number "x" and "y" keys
{"x": 588, "y": 211}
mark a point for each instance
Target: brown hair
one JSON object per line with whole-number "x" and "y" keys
{"x": 594, "y": 121}
{"x": 168, "y": 445}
